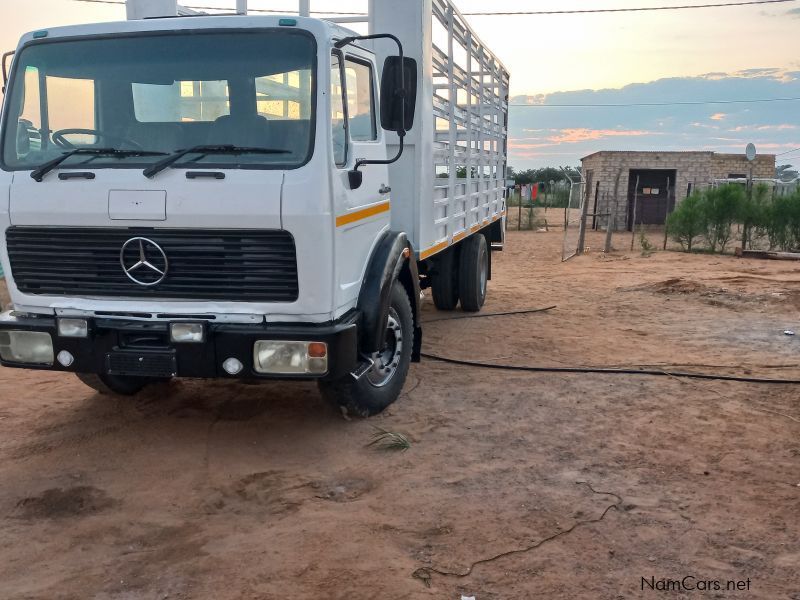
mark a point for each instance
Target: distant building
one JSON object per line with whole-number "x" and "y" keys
{"x": 665, "y": 178}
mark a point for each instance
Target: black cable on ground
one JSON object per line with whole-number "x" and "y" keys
{"x": 588, "y": 370}
{"x": 487, "y": 315}
{"x": 609, "y": 371}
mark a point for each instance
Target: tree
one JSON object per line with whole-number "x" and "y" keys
{"x": 786, "y": 173}
{"x": 722, "y": 208}
{"x": 752, "y": 213}
{"x": 688, "y": 221}
{"x": 544, "y": 175}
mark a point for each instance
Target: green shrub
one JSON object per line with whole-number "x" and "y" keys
{"x": 781, "y": 222}
{"x": 712, "y": 213}
{"x": 775, "y": 222}
{"x": 688, "y": 221}
{"x": 753, "y": 213}
{"x": 793, "y": 221}
{"x": 722, "y": 207}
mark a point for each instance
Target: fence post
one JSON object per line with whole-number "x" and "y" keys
{"x": 635, "y": 210}
{"x": 666, "y": 215}
{"x": 610, "y": 226}
{"x": 582, "y": 226}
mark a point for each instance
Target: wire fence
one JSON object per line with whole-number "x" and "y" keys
{"x": 596, "y": 220}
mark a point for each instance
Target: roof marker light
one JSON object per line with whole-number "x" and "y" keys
{"x": 37, "y": 35}
{"x": 288, "y": 22}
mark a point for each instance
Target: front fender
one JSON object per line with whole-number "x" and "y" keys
{"x": 392, "y": 260}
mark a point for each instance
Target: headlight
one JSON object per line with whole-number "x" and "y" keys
{"x": 183, "y": 333}
{"x": 290, "y": 358}
{"x": 26, "y": 347}
{"x": 73, "y": 328}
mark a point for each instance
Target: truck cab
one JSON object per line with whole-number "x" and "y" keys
{"x": 210, "y": 196}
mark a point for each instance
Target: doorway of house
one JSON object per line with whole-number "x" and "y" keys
{"x": 654, "y": 198}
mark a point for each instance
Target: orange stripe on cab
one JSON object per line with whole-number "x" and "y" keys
{"x": 364, "y": 213}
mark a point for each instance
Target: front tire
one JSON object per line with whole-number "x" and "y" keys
{"x": 110, "y": 385}
{"x": 380, "y": 386}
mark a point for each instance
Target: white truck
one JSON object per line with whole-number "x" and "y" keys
{"x": 247, "y": 196}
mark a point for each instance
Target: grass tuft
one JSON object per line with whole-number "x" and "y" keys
{"x": 389, "y": 441}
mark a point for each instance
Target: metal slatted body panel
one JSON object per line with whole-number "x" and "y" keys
{"x": 247, "y": 265}
{"x": 470, "y": 107}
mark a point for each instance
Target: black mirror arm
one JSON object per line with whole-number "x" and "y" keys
{"x": 363, "y": 161}
{"x": 6, "y": 56}
{"x": 355, "y": 175}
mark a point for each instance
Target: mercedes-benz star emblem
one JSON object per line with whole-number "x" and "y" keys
{"x": 144, "y": 261}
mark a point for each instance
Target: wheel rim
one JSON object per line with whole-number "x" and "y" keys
{"x": 484, "y": 274}
{"x": 387, "y": 361}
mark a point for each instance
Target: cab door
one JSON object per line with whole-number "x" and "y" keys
{"x": 362, "y": 214}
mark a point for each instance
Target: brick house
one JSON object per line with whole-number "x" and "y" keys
{"x": 665, "y": 178}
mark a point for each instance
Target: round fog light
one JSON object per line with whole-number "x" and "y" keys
{"x": 65, "y": 358}
{"x": 233, "y": 366}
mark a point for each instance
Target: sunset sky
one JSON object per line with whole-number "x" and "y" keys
{"x": 737, "y": 53}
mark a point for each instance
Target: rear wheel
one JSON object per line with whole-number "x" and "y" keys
{"x": 115, "y": 384}
{"x": 473, "y": 273}
{"x": 444, "y": 281}
{"x": 379, "y": 387}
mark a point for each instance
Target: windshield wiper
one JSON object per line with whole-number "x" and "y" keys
{"x": 43, "y": 170}
{"x": 156, "y": 168}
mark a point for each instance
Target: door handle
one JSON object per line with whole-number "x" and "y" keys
{"x": 385, "y": 189}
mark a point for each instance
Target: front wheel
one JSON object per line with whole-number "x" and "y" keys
{"x": 379, "y": 387}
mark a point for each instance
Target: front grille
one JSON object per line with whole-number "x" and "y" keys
{"x": 231, "y": 265}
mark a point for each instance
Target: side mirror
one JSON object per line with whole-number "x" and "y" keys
{"x": 395, "y": 75}
{"x": 355, "y": 178}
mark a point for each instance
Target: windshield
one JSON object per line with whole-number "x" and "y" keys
{"x": 161, "y": 94}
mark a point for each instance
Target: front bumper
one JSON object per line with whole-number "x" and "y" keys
{"x": 143, "y": 347}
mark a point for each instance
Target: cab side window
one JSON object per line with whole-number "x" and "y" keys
{"x": 360, "y": 101}
{"x": 29, "y": 136}
{"x": 338, "y": 114}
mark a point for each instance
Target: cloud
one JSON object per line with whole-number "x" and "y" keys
{"x": 781, "y": 127}
{"x": 545, "y": 134}
{"x": 778, "y": 74}
{"x": 704, "y": 125}
{"x": 571, "y": 136}
{"x": 514, "y": 145}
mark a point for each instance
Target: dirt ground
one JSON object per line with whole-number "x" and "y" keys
{"x": 516, "y": 485}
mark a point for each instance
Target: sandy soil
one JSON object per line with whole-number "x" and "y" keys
{"x": 516, "y": 485}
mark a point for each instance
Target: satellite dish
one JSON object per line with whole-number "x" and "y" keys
{"x": 751, "y": 152}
